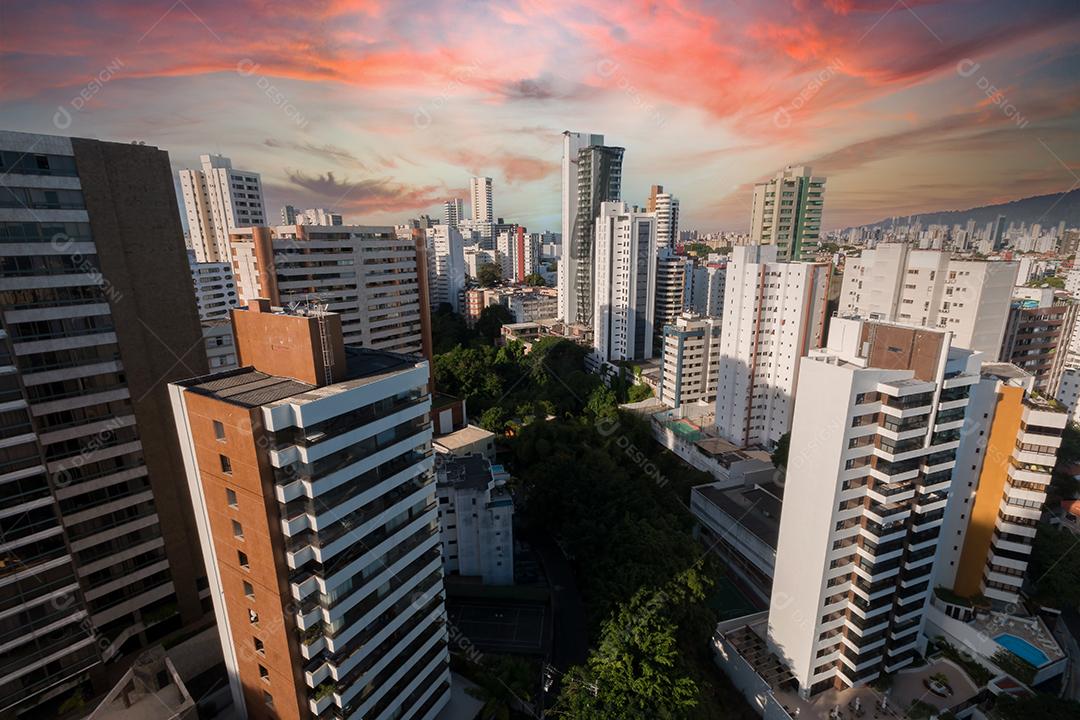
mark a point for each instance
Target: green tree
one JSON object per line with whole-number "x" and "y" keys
{"x": 638, "y": 393}
{"x": 636, "y": 672}
{"x": 491, "y": 320}
{"x": 488, "y": 274}
{"x": 502, "y": 682}
{"x": 1045, "y": 707}
{"x": 1063, "y": 486}
{"x": 493, "y": 419}
{"x": 779, "y": 455}
{"x": 1055, "y": 567}
{"x": 448, "y": 330}
{"x": 535, "y": 280}
{"x": 1051, "y": 282}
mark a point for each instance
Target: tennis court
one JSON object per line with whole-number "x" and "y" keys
{"x": 685, "y": 429}
{"x": 500, "y": 628}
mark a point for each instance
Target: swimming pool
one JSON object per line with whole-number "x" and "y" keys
{"x": 1022, "y": 648}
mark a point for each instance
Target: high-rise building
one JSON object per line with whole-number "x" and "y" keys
{"x": 517, "y": 251}
{"x": 312, "y": 216}
{"x": 379, "y": 298}
{"x": 319, "y": 216}
{"x": 625, "y": 264}
{"x": 215, "y": 289}
{"x": 453, "y": 212}
{"x": 218, "y": 198}
{"x": 599, "y": 181}
{"x": 787, "y": 213}
{"x": 1037, "y": 334}
{"x": 997, "y": 233}
{"x": 476, "y": 519}
{"x": 873, "y": 444}
{"x": 671, "y": 272}
{"x": 666, "y": 207}
{"x": 591, "y": 175}
{"x": 690, "y": 361}
{"x": 311, "y": 476}
{"x": 97, "y": 315}
{"x": 1010, "y": 442}
{"x": 707, "y": 289}
{"x": 774, "y": 314}
{"x": 894, "y": 282}
{"x": 480, "y": 196}
{"x": 446, "y": 266}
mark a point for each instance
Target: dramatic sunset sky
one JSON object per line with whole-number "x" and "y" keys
{"x": 383, "y": 108}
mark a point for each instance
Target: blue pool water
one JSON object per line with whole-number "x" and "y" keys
{"x": 1022, "y": 648}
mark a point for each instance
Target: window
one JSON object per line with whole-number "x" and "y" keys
{"x": 264, "y": 674}
{"x": 219, "y": 431}
{"x": 259, "y": 647}
{"x": 237, "y": 530}
{"x": 230, "y": 497}
{"x": 268, "y": 699}
{"x": 242, "y": 556}
{"x": 249, "y": 590}
{"x": 226, "y": 464}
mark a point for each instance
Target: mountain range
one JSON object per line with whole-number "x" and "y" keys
{"x": 1048, "y": 210}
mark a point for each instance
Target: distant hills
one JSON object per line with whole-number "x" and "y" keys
{"x": 1048, "y": 210}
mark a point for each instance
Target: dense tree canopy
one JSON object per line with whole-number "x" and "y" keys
{"x": 636, "y": 671}
{"x": 488, "y": 274}
{"x": 1055, "y": 567}
{"x": 491, "y": 320}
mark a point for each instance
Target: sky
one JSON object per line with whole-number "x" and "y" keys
{"x": 382, "y": 109}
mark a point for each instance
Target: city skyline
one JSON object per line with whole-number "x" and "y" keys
{"x": 383, "y": 111}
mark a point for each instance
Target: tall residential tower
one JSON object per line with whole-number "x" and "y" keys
{"x": 310, "y": 471}
{"x": 218, "y": 198}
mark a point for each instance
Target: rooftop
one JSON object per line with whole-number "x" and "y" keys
{"x": 1003, "y": 371}
{"x": 465, "y": 436}
{"x": 467, "y": 472}
{"x": 248, "y": 387}
{"x": 756, "y": 508}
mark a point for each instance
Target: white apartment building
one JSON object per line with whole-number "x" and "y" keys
{"x": 666, "y": 207}
{"x": 689, "y": 366}
{"x": 474, "y": 257}
{"x": 625, "y": 263}
{"x": 318, "y": 216}
{"x": 873, "y": 445}
{"x": 218, "y": 198}
{"x": 215, "y": 289}
{"x": 518, "y": 252}
{"x": 894, "y": 282}
{"x": 476, "y": 519}
{"x": 774, "y": 314}
{"x": 1068, "y": 393}
{"x": 787, "y": 213}
{"x": 531, "y": 304}
{"x": 1010, "y": 443}
{"x": 446, "y": 266}
{"x": 453, "y": 212}
{"x": 480, "y": 197}
{"x": 671, "y": 272}
{"x": 366, "y": 274}
{"x": 707, "y": 289}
